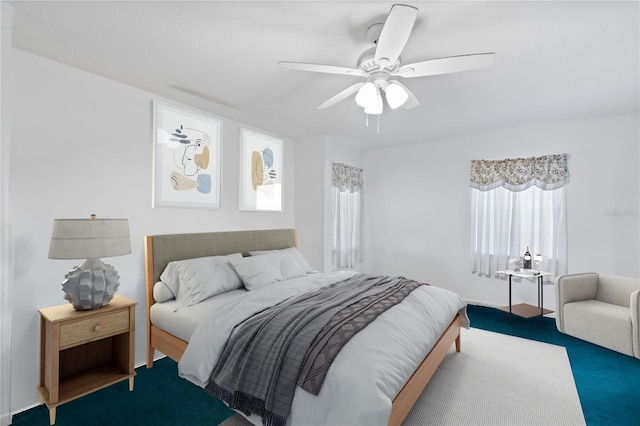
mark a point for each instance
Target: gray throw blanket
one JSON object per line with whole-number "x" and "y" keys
{"x": 342, "y": 327}
{"x": 259, "y": 367}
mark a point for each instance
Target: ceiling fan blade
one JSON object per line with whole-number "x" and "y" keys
{"x": 395, "y": 33}
{"x": 329, "y": 69}
{"x": 341, "y": 96}
{"x": 411, "y": 101}
{"x": 445, "y": 65}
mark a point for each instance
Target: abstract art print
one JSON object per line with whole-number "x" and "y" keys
{"x": 186, "y": 167}
{"x": 260, "y": 171}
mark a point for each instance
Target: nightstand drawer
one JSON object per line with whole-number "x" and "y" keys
{"x": 93, "y": 328}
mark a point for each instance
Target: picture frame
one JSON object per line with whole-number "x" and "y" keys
{"x": 261, "y": 168}
{"x": 186, "y": 158}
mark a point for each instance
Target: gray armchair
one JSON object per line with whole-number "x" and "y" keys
{"x": 601, "y": 309}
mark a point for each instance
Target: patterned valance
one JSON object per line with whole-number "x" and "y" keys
{"x": 347, "y": 178}
{"x": 517, "y": 174}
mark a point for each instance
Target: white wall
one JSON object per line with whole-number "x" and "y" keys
{"x": 314, "y": 158}
{"x": 309, "y": 200}
{"x": 81, "y": 144}
{"x": 418, "y": 207}
{"x": 6, "y": 270}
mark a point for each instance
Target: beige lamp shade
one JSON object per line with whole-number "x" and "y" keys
{"x": 92, "y": 284}
{"x": 89, "y": 238}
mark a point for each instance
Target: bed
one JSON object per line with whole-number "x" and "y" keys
{"x": 170, "y": 336}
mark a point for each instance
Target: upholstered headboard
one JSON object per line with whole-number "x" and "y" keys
{"x": 166, "y": 248}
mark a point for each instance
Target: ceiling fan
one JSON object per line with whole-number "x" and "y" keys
{"x": 381, "y": 65}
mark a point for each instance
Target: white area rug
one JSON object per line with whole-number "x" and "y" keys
{"x": 500, "y": 380}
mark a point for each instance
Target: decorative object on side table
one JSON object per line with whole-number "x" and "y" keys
{"x": 515, "y": 264}
{"x": 537, "y": 259}
{"x": 526, "y": 259}
{"x": 92, "y": 284}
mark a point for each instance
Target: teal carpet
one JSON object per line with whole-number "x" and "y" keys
{"x": 608, "y": 384}
{"x": 159, "y": 398}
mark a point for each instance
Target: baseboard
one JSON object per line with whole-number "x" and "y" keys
{"x": 482, "y": 303}
{"x": 156, "y": 358}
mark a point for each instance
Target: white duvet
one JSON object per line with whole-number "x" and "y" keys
{"x": 368, "y": 372}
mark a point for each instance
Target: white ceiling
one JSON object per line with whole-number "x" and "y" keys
{"x": 555, "y": 61}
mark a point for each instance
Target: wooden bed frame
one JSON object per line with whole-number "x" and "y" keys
{"x": 161, "y": 249}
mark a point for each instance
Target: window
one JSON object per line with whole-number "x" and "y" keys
{"x": 347, "y": 190}
{"x": 517, "y": 203}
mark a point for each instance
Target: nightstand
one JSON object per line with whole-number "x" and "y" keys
{"x": 84, "y": 351}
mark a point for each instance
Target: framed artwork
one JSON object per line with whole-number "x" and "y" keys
{"x": 186, "y": 158}
{"x": 260, "y": 171}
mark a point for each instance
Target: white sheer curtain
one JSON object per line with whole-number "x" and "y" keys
{"x": 347, "y": 194}
{"x": 517, "y": 203}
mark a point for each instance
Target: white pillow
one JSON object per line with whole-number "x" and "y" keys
{"x": 162, "y": 292}
{"x": 170, "y": 278}
{"x": 201, "y": 278}
{"x": 259, "y": 271}
{"x": 293, "y": 252}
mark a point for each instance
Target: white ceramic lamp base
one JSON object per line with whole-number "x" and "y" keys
{"x": 90, "y": 285}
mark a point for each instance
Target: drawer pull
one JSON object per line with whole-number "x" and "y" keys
{"x": 97, "y": 327}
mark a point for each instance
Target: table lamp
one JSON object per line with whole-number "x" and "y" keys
{"x": 92, "y": 284}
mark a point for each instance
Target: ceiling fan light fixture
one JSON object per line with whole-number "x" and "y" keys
{"x": 374, "y": 107}
{"x": 367, "y": 94}
{"x": 396, "y": 95}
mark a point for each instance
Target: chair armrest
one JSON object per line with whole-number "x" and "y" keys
{"x": 576, "y": 287}
{"x": 635, "y": 322}
{"x": 573, "y": 288}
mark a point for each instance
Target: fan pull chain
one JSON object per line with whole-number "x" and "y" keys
{"x": 366, "y": 121}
